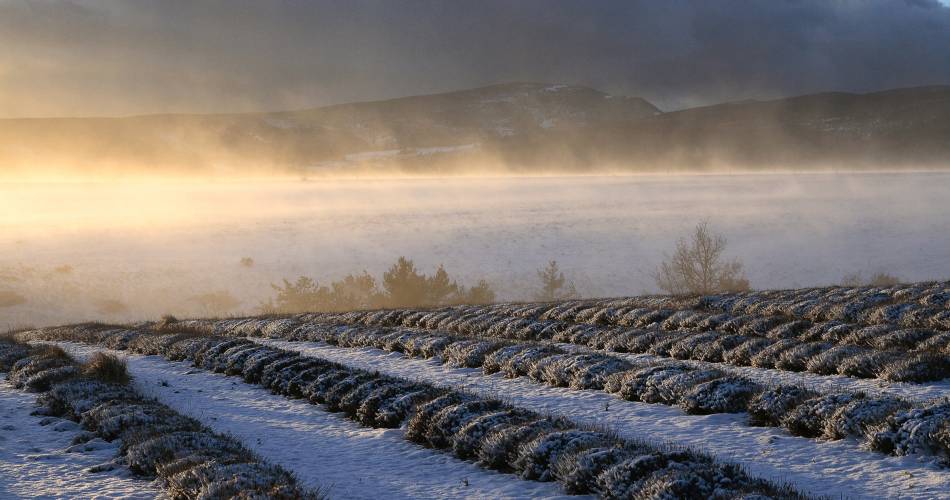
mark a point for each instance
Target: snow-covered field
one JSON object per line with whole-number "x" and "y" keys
{"x": 138, "y": 251}
{"x": 323, "y": 450}
{"x": 37, "y": 461}
{"x": 837, "y": 468}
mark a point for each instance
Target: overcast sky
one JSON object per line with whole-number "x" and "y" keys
{"x": 126, "y": 57}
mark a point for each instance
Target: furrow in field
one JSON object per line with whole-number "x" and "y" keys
{"x": 321, "y": 448}
{"x": 822, "y": 468}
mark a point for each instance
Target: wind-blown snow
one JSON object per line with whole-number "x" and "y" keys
{"x": 320, "y": 448}
{"x": 837, "y": 468}
{"x": 35, "y": 463}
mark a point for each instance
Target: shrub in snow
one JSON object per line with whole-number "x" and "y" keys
{"x": 117, "y": 418}
{"x": 392, "y": 411}
{"x": 827, "y": 363}
{"x": 940, "y": 320}
{"x": 649, "y": 317}
{"x": 145, "y": 456}
{"x": 713, "y": 321}
{"x": 499, "y": 448}
{"x": 871, "y": 364}
{"x": 469, "y": 353}
{"x": 429, "y": 346}
{"x": 735, "y": 324}
{"x": 771, "y": 406}
{"x": 625, "y": 479}
{"x": 722, "y": 395}
{"x": 917, "y": 430}
{"x": 119, "y": 339}
{"x": 742, "y": 354}
{"x": 670, "y": 389}
{"x": 789, "y": 329}
{"x": 536, "y": 457}
{"x": 918, "y": 367}
{"x": 282, "y": 367}
{"x": 594, "y": 374}
{"x": 766, "y": 358}
{"x": 525, "y": 361}
{"x": 713, "y": 351}
{"x": 22, "y": 370}
{"x": 808, "y": 418}
{"x": 10, "y": 353}
{"x": 829, "y": 331}
{"x": 495, "y": 360}
{"x": 77, "y": 396}
{"x": 937, "y": 343}
{"x": 760, "y": 326}
{"x": 631, "y": 385}
{"x": 42, "y": 381}
{"x": 256, "y": 362}
{"x": 578, "y": 471}
{"x": 278, "y": 328}
{"x": 187, "y": 347}
{"x": 450, "y": 420}
{"x": 855, "y": 418}
{"x": 334, "y": 396}
{"x": 353, "y": 399}
{"x": 291, "y": 379}
{"x": 685, "y": 347}
{"x": 316, "y": 390}
{"x": 418, "y": 428}
{"x": 665, "y": 343}
{"x": 369, "y": 405}
{"x": 231, "y": 361}
{"x": 615, "y": 340}
{"x": 207, "y": 359}
{"x": 866, "y": 336}
{"x": 698, "y": 480}
{"x": 216, "y": 480}
{"x": 466, "y": 442}
{"x": 796, "y": 359}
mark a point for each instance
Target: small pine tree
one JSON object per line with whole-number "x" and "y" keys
{"x": 440, "y": 288}
{"x": 481, "y": 293}
{"x": 554, "y": 285}
{"x": 404, "y": 285}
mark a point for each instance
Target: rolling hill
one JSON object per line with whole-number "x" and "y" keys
{"x": 525, "y": 127}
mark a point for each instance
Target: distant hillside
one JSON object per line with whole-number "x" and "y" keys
{"x": 520, "y": 126}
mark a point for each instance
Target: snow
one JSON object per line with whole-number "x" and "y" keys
{"x": 35, "y": 461}
{"x": 836, "y": 468}
{"x": 320, "y": 448}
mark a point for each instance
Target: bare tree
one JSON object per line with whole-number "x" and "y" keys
{"x": 697, "y": 266}
{"x": 554, "y": 286}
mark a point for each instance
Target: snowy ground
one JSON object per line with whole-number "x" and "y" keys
{"x": 322, "y": 449}
{"x": 836, "y": 469}
{"x": 35, "y": 461}
{"x": 152, "y": 248}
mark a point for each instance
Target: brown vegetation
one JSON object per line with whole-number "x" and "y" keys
{"x": 697, "y": 267}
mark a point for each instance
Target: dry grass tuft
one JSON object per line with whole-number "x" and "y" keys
{"x": 107, "y": 368}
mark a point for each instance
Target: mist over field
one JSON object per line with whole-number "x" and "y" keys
{"x": 124, "y": 251}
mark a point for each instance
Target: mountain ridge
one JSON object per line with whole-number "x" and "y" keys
{"x": 520, "y": 126}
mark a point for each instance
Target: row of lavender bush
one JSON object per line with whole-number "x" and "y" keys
{"x": 789, "y": 354}
{"x": 486, "y": 430}
{"x": 882, "y": 423}
{"x": 191, "y": 461}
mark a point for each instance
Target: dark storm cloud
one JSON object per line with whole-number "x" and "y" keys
{"x": 110, "y": 57}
